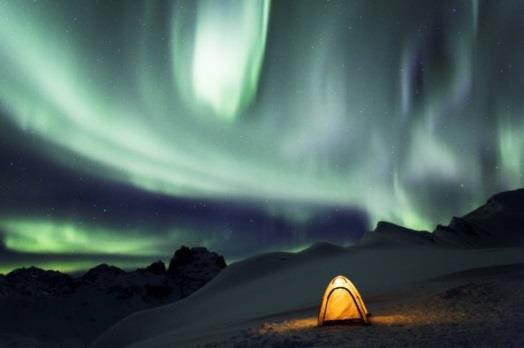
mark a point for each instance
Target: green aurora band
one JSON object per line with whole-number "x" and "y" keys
{"x": 210, "y": 107}
{"x": 225, "y": 57}
{"x": 62, "y": 238}
{"x": 70, "y": 246}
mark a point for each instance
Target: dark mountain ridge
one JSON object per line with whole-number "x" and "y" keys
{"x": 35, "y": 303}
{"x": 497, "y": 223}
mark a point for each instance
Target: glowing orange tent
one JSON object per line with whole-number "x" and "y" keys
{"x": 342, "y": 304}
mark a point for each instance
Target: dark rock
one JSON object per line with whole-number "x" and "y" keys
{"x": 498, "y": 223}
{"x": 220, "y": 262}
{"x": 34, "y": 281}
{"x": 101, "y": 277}
{"x": 194, "y": 258}
{"x": 101, "y": 271}
{"x": 156, "y": 268}
{"x": 189, "y": 270}
{"x": 181, "y": 258}
{"x": 192, "y": 268}
{"x": 43, "y": 303}
{"x": 131, "y": 284}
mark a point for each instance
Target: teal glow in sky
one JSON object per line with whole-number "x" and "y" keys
{"x": 51, "y": 237}
{"x": 226, "y": 54}
{"x": 413, "y": 117}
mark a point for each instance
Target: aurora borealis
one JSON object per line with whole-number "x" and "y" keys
{"x": 129, "y": 128}
{"x": 222, "y": 65}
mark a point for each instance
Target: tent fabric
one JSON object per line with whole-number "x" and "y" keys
{"x": 342, "y": 303}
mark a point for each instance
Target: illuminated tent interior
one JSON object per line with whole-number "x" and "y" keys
{"x": 342, "y": 304}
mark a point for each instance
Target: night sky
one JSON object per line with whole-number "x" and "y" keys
{"x": 129, "y": 128}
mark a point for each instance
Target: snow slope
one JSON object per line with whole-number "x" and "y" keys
{"x": 281, "y": 284}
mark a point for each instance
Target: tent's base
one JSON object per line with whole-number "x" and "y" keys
{"x": 353, "y": 322}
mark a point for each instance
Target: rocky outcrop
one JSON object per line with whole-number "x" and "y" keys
{"x": 498, "y": 223}
{"x": 37, "y": 282}
{"x": 189, "y": 269}
{"x": 156, "y": 268}
{"x": 196, "y": 258}
{"x": 46, "y": 304}
{"x": 101, "y": 277}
